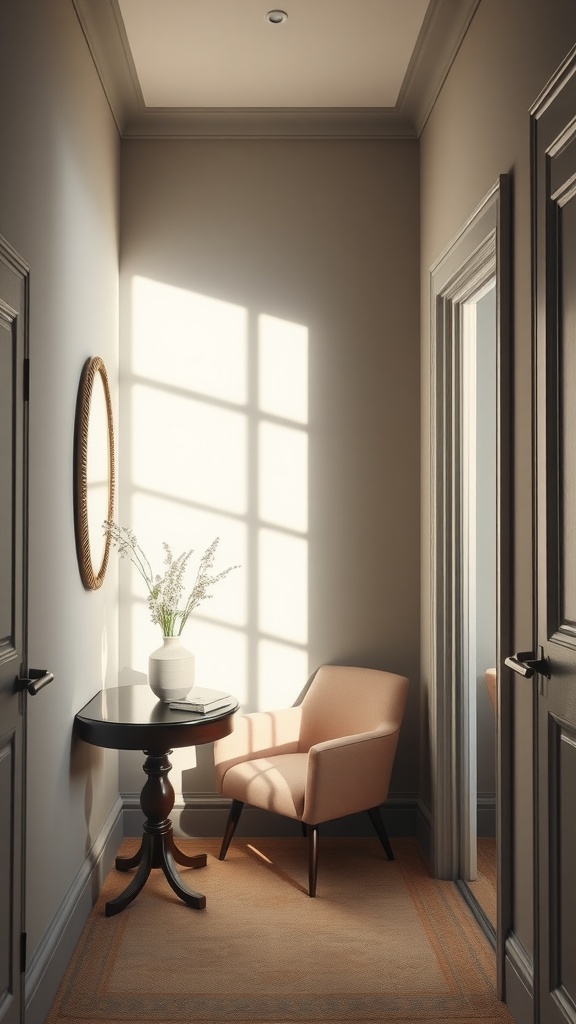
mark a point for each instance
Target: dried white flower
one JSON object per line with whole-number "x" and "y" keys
{"x": 166, "y": 591}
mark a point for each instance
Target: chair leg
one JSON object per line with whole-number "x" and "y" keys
{"x": 233, "y": 819}
{"x": 312, "y": 832}
{"x": 376, "y": 819}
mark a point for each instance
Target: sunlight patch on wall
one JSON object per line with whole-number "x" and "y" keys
{"x": 190, "y": 341}
{"x": 189, "y": 449}
{"x": 221, "y": 657}
{"x": 283, "y": 476}
{"x": 218, "y": 446}
{"x": 282, "y": 552}
{"x": 280, "y": 666}
{"x": 283, "y": 586}
{"x": 283, "y": 368}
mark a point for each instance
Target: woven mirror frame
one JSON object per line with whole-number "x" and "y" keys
{"x": 94, "y": 472}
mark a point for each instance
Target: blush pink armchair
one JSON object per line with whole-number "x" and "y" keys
{"x": 328, "y": 756}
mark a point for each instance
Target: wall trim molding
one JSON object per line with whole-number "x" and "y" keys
{"x": 486, "y": 815}
{"x": 445, "y": 25}
{"x": 521, "y": 961}
{"x": 52, "y": 956}
{"x": 518, "y": 979}
{"x": 205, "y": 814}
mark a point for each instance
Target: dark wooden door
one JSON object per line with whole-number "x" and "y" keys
{"x": 554, "y": 194}
{"x": 13, "y": 548}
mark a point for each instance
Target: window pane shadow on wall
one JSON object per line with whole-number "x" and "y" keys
{"x": 215, "y": 443}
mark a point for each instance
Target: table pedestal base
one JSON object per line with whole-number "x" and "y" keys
{"x": 157, "y": 849}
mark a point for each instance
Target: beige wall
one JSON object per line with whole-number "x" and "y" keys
{"x": 479, "y": 129}
{"x": 324, "y": 235}
{"x": 59, "y": 210}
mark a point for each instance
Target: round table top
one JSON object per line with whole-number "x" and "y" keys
{"x": 132, "y": 718}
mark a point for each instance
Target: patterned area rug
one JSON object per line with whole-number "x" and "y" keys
{"x": 381, "y": 941}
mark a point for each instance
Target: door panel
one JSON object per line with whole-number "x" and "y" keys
{"x": 6, "y": 509}
{"x": 13, "y": 547}
{"x": 554, "y": 165}
{"x": 564, "y": 847}
{"x": 567, "y": 254}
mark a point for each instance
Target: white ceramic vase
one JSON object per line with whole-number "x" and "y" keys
{"x": 171, "y": 670}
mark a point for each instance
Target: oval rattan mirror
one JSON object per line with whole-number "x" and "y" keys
{"x": 94, "y": 479}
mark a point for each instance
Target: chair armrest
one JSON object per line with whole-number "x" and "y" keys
{"x": 349, "y": 774}
{"x": 259, "y": 734}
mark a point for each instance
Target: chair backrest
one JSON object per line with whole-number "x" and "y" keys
{"x": 343, "y": 701}
{"x": 490, "y": 677}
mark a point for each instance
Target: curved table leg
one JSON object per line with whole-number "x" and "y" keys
{"x": 126, "y": 863}
{"x": 199, "y": 860}
{"x": 158, "y": 849}
{"x": 190, "y": 897}
{"x": 147, "y": 856}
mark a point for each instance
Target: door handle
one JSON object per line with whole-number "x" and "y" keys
{"x": 526, "y": 663}
{"x": 35, "y": 680}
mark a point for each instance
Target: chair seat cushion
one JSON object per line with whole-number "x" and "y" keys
{"x": 275, "y": 783}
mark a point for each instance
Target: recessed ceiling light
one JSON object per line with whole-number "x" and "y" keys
{"x": 276, "y": 17}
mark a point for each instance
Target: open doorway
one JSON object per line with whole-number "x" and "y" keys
{"x": 477, "y": 700}
{"x": 471, "y": 773}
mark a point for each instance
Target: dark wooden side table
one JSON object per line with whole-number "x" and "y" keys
{"x": 132, "y": 718}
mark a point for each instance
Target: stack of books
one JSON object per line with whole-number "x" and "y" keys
{"x": 201, "y": 699}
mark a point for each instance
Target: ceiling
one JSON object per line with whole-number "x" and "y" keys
{"x": 328, "y": 53}
{"x": 220, "y": 68}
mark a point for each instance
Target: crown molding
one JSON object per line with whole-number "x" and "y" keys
{"x": 444, "y": 27}
{"x": 268, "y": 123}
{"x": 106, "y": 38}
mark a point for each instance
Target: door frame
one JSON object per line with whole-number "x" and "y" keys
{"x": 466, "y": 348}
{"x": 552, "y": 139}
{"x": 480, "y": 250}
{"x": 15, "y": 648}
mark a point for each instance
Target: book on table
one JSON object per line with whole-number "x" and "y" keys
{"x": 202, "y": 699}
